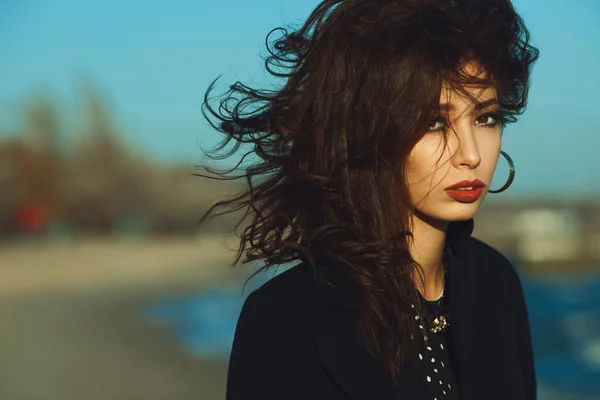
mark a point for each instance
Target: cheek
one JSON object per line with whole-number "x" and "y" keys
{"x": 426, "y": 167}
{"x": 426, "y": 153}
{"x": 490, "y": 160}
{"x": 416, "y": 167}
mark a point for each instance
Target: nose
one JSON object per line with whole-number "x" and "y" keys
{"x": 467, "y": 154}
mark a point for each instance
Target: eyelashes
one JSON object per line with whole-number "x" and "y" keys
{"x": 486, "y": 120}
{"x": 491, "y": 120}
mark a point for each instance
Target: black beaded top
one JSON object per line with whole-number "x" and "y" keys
{"x": 432, "y": 356}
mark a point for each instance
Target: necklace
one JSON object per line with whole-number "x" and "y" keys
{"x": 438, "y": 318}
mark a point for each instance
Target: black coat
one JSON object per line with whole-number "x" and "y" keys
{"x": 298, "y": 338}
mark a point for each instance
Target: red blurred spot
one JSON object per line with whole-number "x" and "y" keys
{"x": 32, "y": 218}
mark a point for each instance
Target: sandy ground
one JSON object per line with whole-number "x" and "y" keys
{"x": 71, "y": 322}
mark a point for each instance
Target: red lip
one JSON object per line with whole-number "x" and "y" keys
{"x": 466, "y": 196}
{"x": 476, "y": 183}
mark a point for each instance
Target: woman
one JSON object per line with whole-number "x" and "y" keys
{"x": 373, "y": 158}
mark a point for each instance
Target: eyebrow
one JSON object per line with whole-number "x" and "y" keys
{"x": 478, "y": 106}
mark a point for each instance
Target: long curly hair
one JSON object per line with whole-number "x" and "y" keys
{"x": 326, "y": 181}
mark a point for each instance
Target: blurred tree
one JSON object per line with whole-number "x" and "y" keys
{"x": 42, "y": 124}
{"x": 100, "y": 185}
{"x": 97, "y": 187}
{"x": 36, "y": 164}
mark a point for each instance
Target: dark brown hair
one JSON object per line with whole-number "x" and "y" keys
{"x": 361, "y": 81}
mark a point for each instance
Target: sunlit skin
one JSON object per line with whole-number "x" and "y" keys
{"x": 473, "y": 146}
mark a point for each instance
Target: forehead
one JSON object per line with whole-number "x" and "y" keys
{"x": 470, "y": 94}
{"x": 480, "y": 90}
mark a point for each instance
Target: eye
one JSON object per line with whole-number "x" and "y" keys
{"x": 489, "y": 120}
{"x": 435, "y": 125}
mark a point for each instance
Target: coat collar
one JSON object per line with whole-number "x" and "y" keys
{"x": 335, "y": 288}
{"x": 342, "y": 349}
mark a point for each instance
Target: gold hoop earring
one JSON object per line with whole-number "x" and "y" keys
{"x": 511, "y": 174}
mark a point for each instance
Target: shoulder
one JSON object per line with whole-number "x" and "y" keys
{"x": 488, "y": 259}
{"x": 282, "y": 306}
{"x": 481, "y": 250}
{"x": 290, "y": 288}
{"x": 495, "y": 273}
{"x": 276, "y": 337}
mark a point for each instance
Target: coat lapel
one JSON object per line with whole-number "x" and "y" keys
{"x": 349, "y": 364}
{"x": 462, "y": 302}
{"x": 462, "y": 298}
{"x": 341, "y": 349}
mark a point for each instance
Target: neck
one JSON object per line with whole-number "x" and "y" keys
{"x": 426, "y": 248}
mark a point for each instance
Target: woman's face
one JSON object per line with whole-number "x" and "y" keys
{"x": 473, "y": 147}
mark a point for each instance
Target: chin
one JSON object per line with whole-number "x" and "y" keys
{"x": 451, "y": 212}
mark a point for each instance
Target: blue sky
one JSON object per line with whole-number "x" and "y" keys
{"x": 153, "y": 60}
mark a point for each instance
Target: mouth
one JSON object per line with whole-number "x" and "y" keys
{"x": 466, "y": 191}
{"x": 465, "y": 195}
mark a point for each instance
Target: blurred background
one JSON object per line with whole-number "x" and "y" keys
{"x": 107, "y": 288}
